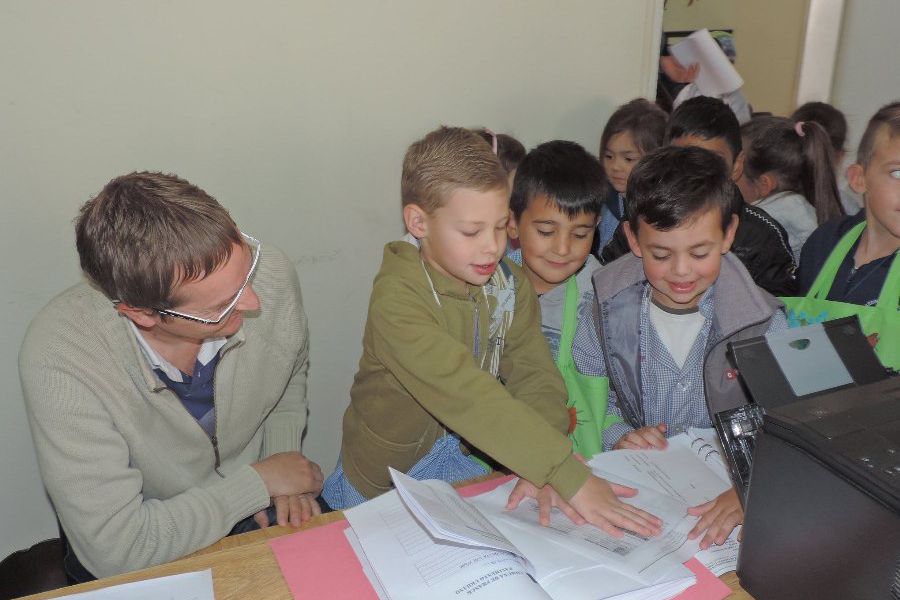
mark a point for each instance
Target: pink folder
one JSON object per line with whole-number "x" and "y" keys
{"x": 319, "y": 563}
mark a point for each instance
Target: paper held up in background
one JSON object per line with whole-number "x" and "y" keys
{"x": 197, "y": 585}
{"x": 717, "y": 76}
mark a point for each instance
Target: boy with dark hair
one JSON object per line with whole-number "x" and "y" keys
{"x": 556, "y": 201}
{"x": 760, "y": 242}
{"x": 453, "y": 357}
{"x": 665, "y": 313}
{"x": 866, "y": 269}
{"x": 167, "y": 397}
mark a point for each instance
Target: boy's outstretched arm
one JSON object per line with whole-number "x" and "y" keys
{"x": 596, "y": 502}
{"x": 718, "y": 518}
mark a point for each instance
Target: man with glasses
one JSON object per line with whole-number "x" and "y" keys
{"x": 167, "y": 395}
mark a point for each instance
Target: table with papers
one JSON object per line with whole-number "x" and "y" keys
{"x": 319, "y": 561}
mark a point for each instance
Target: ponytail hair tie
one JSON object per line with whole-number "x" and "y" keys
{"x": 493, "y": 139}
{"x": 798, "y": 127}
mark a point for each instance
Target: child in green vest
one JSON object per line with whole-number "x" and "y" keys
{"x": 556, "y": 201}
{"x": 849, "y": 266}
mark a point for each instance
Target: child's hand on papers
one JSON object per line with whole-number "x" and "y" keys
{"x": 644, "y": 438}
{"x": 719, "y": 517}
{"x": 546, "y": 498}
{"x": 597, "y": 501}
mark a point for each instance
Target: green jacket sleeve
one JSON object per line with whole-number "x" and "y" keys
{"x": 439, "y": 372}
{"x": 527, "y": 367}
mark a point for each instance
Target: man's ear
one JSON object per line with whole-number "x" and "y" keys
{"x": 856, "y": 177}
{"x": 142, "y": 317}
{"x": 631, "y": 236}
{"x": 416, "y": 220}
{"x": 512, "y": 227}
{"x": 730, "y": 232}
{"x": 737, "y": 169}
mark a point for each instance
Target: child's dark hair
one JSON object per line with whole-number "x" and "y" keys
{"x": 674, "y": 185}
{"x": 888, "y": 118}
{"x": 565, "y": 173}
{"x": 799, "y": 157}
{"x": 645, "y": 121}
{"x": 509, "y": 150}
{"x": 831, "y": 119}
{"x": 707, "y": 118}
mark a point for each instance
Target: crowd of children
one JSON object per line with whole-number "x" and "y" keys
{"x": 638, "y": 265}
{"x": 542, "y": 307}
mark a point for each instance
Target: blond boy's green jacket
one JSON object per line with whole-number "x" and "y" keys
{"x": 418, "y": 377}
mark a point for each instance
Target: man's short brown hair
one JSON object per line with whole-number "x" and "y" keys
{"x": 445, "y": 160}
{"x": 887, "y": 118}
{"x": 145, "y": 233}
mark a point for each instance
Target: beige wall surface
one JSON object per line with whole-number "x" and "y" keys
{"x": 295, "y": 115}
{"x": 867, "y": 73}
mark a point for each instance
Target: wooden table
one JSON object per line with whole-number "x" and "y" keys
{"x": 244, "y": 568}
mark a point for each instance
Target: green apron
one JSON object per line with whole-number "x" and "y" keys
{"x": 588, "y": 395}
{"x": 881, "y": 320}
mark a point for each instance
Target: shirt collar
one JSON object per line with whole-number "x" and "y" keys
{"x": 207, "y": 352}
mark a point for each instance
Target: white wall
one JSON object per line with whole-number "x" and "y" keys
{"x": 295, "y": 115}
{"x": 867, "y": 73}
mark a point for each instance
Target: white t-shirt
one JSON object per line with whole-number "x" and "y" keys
{"x": 678, "y": 330}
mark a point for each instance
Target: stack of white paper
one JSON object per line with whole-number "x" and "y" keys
{"x": 716, "y": 76}
{"x": 423, "y": 540}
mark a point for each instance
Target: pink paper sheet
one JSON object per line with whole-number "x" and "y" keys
{"x": 319, "y": 563}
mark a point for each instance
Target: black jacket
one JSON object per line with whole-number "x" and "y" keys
{"x": 760, "y": 243}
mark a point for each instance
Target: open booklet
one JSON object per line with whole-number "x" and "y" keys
{"x": 423, "y": 540}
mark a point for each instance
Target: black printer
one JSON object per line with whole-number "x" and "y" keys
{"x": 817, "y": 465}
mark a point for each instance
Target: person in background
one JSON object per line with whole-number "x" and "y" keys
{"x": 789, "y": 173}
{"x": 835, "y": 125}
{"x": 633, "y": 130}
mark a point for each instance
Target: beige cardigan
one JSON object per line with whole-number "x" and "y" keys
{"x": 130, "y": 472}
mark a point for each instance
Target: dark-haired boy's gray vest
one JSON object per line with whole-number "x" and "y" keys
{"x": 742, "y": 310}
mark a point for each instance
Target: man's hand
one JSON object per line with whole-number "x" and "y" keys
{"x": 289, "y": 474}
{"x": 598, "y": 504}
{"x": 292, "y": 510}
{"x": 546, "y": 498}
{"x": 644, "y": 438}
{"x": 718, "y": 519}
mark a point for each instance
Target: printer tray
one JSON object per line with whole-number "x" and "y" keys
{"x": 822, "y": 518}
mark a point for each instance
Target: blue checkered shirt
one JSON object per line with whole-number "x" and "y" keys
{"x": 669, "y": 394}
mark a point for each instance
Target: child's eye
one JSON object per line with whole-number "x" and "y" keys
{"x": 543, "y": 233}
{"x": 580, "y": 236}
{"x": 895, "y": 173}
{"x": 656, "y": 257}
{"x": 607, "y": 156}
{"x": 470, "y": 233}
{"x": 700, "y": 256}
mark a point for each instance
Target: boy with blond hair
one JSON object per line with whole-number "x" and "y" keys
{"x": 454, "y": 361}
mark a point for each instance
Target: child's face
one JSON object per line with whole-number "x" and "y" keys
{"x": 681, "y": 264}
{"x": 466, "y": 237}
{"x": 880, "y": 183}
{"x": 554, "y": 245}
{"x": 619, "y": 158}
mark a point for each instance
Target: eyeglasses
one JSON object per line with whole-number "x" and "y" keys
{"x": 255, "y": 244}
{"x": 252, "y": 242}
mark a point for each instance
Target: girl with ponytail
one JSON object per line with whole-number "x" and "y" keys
{"x": 788, "y": 173}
